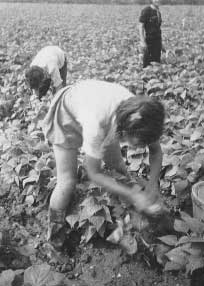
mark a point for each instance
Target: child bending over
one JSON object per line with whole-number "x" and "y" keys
{"x": 48, "y": 67}
{"x": 97, "y": 115}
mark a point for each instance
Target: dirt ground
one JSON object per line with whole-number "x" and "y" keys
{"x": 112, "y": 267}
{"x": 98, "y": 263}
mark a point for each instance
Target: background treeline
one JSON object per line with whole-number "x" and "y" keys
{"x": 167, "y": 2}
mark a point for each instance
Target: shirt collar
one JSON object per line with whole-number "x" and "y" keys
{"x": 154, "y": 7}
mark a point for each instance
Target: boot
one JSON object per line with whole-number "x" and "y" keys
{"x": 56, "y": 228}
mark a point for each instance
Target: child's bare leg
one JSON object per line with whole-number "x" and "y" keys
{"x": 66, "y": 164}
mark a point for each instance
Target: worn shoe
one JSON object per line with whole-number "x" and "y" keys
{"x": 56, "y": 228}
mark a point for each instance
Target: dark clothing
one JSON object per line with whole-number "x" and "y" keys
{"x": 151, "y": 18}
{"x": 63, "y": 73}
{"x": 47, "y": 82}
{"x": 152, "y": 53}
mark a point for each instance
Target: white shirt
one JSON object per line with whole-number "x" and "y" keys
{"x": 88, "y": 107}
{"x": 51, "y": 58}
{"x": 93, "y": 104}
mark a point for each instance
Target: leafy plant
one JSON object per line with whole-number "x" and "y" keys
{"x": 185, "y": 249}
{"x": 102, "y": 49}
{"x": 93, "y": 215}
{"x": 37, "y": 275}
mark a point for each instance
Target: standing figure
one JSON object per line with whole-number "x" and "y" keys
{"x": 97, "y": 115}
{"x": 150, "y": 33}
{"x": 48, "y": 68}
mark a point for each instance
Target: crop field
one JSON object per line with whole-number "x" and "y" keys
{"x": 101, "y": 42}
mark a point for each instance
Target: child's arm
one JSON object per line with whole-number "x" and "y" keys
{"x": 155, "y": 160}
{"x": 96, "y": 175}
{"x": 144, "y": 16}
{"x": 56, "y": 78}
{"x": 142, "y": 36}
{"x": 142, "y": 201}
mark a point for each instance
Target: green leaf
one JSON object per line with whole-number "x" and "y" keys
{"x": 135, "y": 165}
{"x": 27, "y": 250}
{"x": 118, "y": 210}
{"x": 90, "y": 232}
{"x": 93, "y": 186}
{"x": 160, "y": 251}
{"x": 171, "y": 266}
{"x": 194, "y": 263}
{"x": 37, "y": 275}
{"x": 72, "y": 219}
{"x": 165, "y": 185}
{"x": 7, "y": 277}
{"x": 101, "y": 231}
{"x": 178, "y": 256}
{"x": 37, "y": 134}
{"x": 172, "y": 172}
{"x": 18, "y": 168}
{"x": 194, "y": 224}
{"x": 169, "y": 239}
{"x": 180, "y": 226}
{"x": 183, "y": 240}
{"x": 43, "y": 147}
{"x": 88, "y": 202}
{"x": 5, "y": 107}
{"x": 184, "y": 215}
{"x": 117, "y": 234}
{"x": 97, "y": 221}
{"x": 187, "y": 158}
{"x": 41, "y": 275}
{"x": 4, "y": 187}
{"x": 13, "y": 162}
{"x": 199, "y": 159}
{"x": 32, "y": 179}
{"x": 194, "y": 166}
{"x": 196, "y": 135}
{"x": 83, "y": 223}
{"x": 40, "y": 164}
{"x": 107, "y": 214}
{"x": 90, "y": 207}
{"x": 30, "y": 200}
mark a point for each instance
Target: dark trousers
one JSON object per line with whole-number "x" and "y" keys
{"x": 63, "y": 73}
{"x": 153, "y": 52}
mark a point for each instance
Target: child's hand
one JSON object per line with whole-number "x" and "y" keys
{"x": 144, "y": 202}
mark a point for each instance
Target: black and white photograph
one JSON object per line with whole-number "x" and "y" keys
{"x": 101, "y": 142}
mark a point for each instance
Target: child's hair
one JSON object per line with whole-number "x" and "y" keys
{"x": 34, "y": 77}
{"x": 38, "y": 80}
{"x": 142, "y": 118}
{"x": 44, "y": 87}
